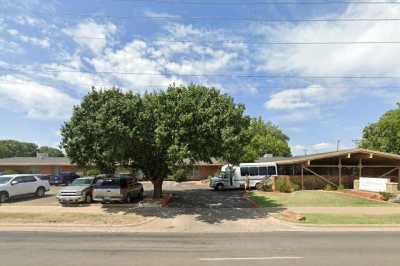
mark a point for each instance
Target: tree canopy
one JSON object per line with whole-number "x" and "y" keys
{"x": 384, "y": 135}
{"x": 50, "y": 151}
{"x": 14, "y": 148}
{"x": 265, "y": 138}
{"x": 156, "y": 131}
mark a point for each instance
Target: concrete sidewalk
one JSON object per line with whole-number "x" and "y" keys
{"x": 345, "y": 210}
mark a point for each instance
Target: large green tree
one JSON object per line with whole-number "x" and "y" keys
{"x": 13, "y": 148}
{"x": 50, "y": 151}
{"x": 155, "y": 132}
{"x": 384, "y": 135}
{"x": 103, "y": 130}
{"x": 190, "y": 123}
{"x": 265, "y": 138}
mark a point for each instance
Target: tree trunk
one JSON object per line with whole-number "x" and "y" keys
{"x": 157, "y": 185}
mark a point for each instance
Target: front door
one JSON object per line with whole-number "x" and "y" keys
{"x": 18, "y": 188}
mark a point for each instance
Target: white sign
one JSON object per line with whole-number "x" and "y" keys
{"x": 373, "y": 184}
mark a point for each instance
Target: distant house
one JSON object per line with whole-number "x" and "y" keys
{"x": 42, "y": 164}
{"x": 315, "y": 171}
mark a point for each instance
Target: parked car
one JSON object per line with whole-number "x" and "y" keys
{"x": 44, "y": 177}
{"x": 63, "y": 179}
{"x": 117, "y": 189}
{"x": 80, "y": 190}
{"x": 13, "y": 186}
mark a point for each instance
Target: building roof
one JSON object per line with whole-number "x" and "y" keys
{"x": 326, "y": 155}
{"x": 65, "y": 161}
{"x": 35, "y": 161}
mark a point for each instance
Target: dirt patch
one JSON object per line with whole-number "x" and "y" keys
{"x": 70, "y": 218}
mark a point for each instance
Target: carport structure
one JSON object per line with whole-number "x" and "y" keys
{"x": 339, "y": 167}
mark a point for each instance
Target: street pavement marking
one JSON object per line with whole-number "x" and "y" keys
{"x": 252, "y": 258}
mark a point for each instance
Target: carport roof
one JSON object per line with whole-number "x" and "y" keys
{"x": 326, "y": 155}
{"x": 32, "y": 161}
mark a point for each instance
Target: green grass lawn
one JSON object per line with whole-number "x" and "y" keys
{"x": 320, "y": 218}
{"x": 314, "y": 199}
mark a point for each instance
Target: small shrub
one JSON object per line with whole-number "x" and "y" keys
{"x": 93, "y": 172}
{"x": 283, "y": 185}
{"x": 10, "y": 172}
{"x": 340, "y": 187}
{"x": 265, "y": 185}
{"x": 295, "y": 187}
{"x": 180, "y": 175}
{"x": 329, "y": 187}
{"x": 386, "y": 195}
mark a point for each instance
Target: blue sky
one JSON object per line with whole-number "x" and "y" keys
{"x": 52, "y": 52}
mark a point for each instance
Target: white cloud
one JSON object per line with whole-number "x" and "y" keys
{"x": 310, "y": 97}
{"x": 93, "y": 35}
{"x": 313, "y": 148}
{"x": 42, "y": 42}
{"x": 35, "y": 100}
{"x": 336, "y": 59}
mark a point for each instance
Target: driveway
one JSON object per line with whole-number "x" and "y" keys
{"x": 199, "y": 195}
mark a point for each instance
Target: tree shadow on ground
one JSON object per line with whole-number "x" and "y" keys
{"x": 212, "y": 207}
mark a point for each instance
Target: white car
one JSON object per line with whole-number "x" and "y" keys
{"x": 12, "y": 186}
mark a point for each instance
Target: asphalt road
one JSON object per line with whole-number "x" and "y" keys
{"x": 274, "y": 248}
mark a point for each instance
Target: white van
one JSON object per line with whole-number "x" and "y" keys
{"x": 235, "y": 176}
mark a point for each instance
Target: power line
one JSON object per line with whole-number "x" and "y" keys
{"x": 162, "y": 86}
{"x": 147, "y": 40}
{"x": 260, "y": 3}
{"x": 231, "y": 75}
{"x": 219, "y": 18}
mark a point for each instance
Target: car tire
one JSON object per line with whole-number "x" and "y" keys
{"x": 4, "y": 197}
{"x": 219, "y": 187}
{"x": 88, "y": 199}
{"x": 40, "y": 192}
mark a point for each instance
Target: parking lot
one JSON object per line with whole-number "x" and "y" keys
{"x": 186, "y": 195}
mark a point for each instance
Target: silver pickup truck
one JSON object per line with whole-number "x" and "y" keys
{"x": 118, "y": 189}
{"x": 79, "y": 191}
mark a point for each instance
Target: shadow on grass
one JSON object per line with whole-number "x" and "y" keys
{"x": 204, "y": 204}
{"x": 265, "y": 202}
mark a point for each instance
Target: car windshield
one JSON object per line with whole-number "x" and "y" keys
{"x": 4, "y": 179}
{"x": 81, "y": 182}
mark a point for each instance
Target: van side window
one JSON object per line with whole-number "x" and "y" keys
{"x": 263, "y": 170}
{"x": 271, "y": 170}
{"x": 244, "y": 171}
{"x": 253, "y": 171}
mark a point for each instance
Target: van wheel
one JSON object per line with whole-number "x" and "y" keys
{"x": 40, "y": 192}
{"x": 88, "y": 198}
{"x": 219, "y": 187}
{"x": 4, "y": 197}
